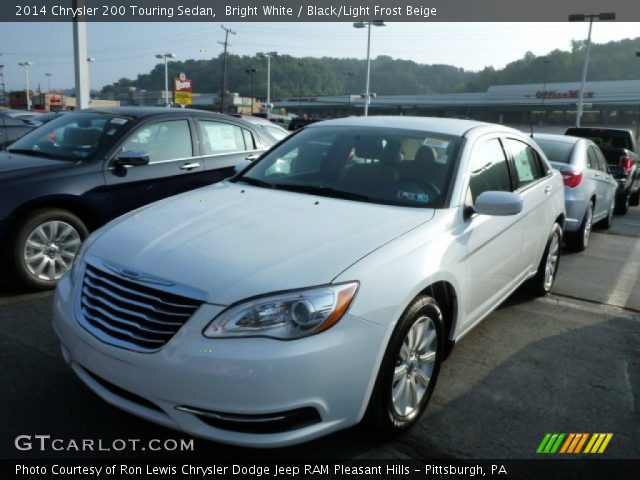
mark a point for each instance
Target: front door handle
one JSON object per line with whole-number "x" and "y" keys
{"x": 189, "y": 166}
{"x": 547, "y": 189}
{"x": 252, "y": 157}
{"x": 597, "y": 175}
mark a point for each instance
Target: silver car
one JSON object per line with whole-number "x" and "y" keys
{"x": 589, "y": 187}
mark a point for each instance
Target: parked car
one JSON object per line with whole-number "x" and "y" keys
{"x": 76, "y": 172}
{"x": 47, "y": 117}
{"x": 12, "y": 128}
{"x": 589, "y": 188}
{"x": 276, "y": 307}
{"x": 275, "y": 131}
{"x": 620, "y": 148}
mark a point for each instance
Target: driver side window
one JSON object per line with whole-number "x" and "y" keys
{"x": 162, "y": 141}
{"x": 489, "y": 170}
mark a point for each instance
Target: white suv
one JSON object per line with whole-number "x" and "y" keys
{"x": 324, "y": 283}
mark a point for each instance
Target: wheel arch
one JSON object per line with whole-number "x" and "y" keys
{"x": 63, "y": 202}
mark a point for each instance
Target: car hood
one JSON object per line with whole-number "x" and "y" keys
{"x": 12, "y": 164}
{"x": 235, "y": 241}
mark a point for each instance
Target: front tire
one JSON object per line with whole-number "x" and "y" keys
{"x": 541, "y": 283}
{"x": 45, "y": 245}
{"x": 409, "y": 369}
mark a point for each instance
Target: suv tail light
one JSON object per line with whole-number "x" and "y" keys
{"x": 571, "y": 179}
{"x": 626, "y": 163}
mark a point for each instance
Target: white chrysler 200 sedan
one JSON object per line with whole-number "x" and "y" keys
{"x": 322, "y": 285}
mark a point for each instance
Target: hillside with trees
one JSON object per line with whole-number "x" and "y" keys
{"x": 339, "y": 76}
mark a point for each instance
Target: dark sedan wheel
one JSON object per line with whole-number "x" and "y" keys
{"x": 623, "y": 203}
{"x": 634, "y": 200}
{"x": 409, "y": 369}
{"x": 45, "y": 245}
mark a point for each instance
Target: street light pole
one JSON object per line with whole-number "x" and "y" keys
{"x": 4, "y": 90}
{"x": 367, "y": 95}
{"x": 251, "y": 72}
{"x": 268, "y": 55}
{"x": 26, "y": 66}
{"x": 544, "y": 88}
{"x": 48, "y": 75}
{"x": 300, "y": 64}
{"x": 580, "y": 17}
{"x": 90, "y": 60}
{"x": 350, "y": 75}
{"x": 166, "y": 57}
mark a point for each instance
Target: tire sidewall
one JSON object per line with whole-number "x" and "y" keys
{"x": 24, "y": 230}
{"x": 556, "y": 229}
{"x": 381, "y": 404}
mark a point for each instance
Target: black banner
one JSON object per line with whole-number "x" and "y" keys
{"x": 309, "y": 10}
{"x": 542, "y": 469}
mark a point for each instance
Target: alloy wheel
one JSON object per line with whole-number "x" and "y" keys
{"x": 588, "y": 223}
{"x": 50, "y": 249}
{"x": 552, "y": 261}
{"x": 414, "y": 367}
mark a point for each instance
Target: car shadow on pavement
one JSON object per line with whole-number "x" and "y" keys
{"x": 524, "y": 371}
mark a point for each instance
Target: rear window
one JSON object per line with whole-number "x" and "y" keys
{"x": 555, "y": 151}
{"x": 602, "y": 138}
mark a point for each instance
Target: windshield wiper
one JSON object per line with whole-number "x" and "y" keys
{"x": 26, "y": 151}
{"x": 324, "y": 191}
{"x": 255, "y": 182}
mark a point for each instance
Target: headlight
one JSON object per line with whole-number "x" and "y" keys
{"x": 77, "y": 260}
{"x": 285, "y": 316}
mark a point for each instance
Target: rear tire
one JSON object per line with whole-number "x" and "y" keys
{"x": 541, "y": 283}
{"x": 622, "y": 204}
{"x": 578, "y": 241}
{"x": 607, "y": 222}
{"x": 409, "y": 369}
{"x": 634, "y": 200}
{"x": 44, "y": 246}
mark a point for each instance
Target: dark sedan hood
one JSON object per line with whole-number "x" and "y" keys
{"x": 13, "y": 163}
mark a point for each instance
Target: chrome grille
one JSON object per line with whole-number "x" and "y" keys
{"x": 137, "y": 315}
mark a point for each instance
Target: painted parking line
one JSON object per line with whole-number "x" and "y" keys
{"x": 627, "y": 279}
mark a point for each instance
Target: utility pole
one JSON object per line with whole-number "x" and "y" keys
{"x": 223, "y": 88}
{"x": 300, "y": 64}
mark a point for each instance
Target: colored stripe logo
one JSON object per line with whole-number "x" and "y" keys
{"x": 574, "y": 443}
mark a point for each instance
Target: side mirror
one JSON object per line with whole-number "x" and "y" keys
{"x": 498, "y": 204}
{"x": 132, "y": 158}
{"x": 241, "y": 166}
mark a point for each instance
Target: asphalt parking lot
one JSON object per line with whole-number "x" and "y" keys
{"x": 565, "y": 363}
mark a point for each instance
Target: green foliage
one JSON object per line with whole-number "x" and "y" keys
{"x": 330, "y": 76}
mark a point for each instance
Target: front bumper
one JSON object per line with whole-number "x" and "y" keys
{"x": 331, "y": 373}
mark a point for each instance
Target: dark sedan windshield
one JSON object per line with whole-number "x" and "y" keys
{"x": 74, "y": 136}
{"x": 389, "y": 166}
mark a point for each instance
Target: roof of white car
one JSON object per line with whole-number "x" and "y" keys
{"x": 446, "y": 126}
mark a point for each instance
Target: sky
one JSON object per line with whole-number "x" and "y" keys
{"x": 127, "y": 49}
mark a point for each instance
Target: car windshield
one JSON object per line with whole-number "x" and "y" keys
{"x": 276, "y": 132}
{"x": 555, "y": 151}
{"x": 73, "y": 136}
{"x": 388, "y": 166}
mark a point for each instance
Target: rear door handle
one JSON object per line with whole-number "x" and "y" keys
{"x": 189, "y": 166}
{"x": 597, "y": 175}
{"x": 547, "y": 189}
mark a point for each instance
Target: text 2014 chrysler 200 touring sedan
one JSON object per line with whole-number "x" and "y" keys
{"x": 322, "y": 285}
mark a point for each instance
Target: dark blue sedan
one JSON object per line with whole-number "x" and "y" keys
{"x": 75, "y": 173}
